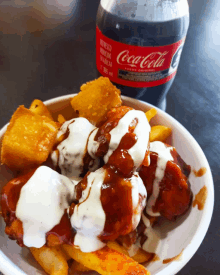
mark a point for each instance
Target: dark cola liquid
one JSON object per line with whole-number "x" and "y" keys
{"x": 139, "y": 33}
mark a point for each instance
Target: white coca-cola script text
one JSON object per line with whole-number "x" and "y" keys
{"x": 152, "y": 60}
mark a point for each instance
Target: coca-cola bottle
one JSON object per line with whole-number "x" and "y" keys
{"x": 139, "y": 44}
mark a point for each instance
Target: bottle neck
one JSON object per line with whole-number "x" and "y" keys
{"x": 147, "y": 10}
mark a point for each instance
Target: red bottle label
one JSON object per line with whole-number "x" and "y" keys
{"x": 136, "y": 66}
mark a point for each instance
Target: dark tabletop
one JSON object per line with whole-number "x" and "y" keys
{"x": 48, "y": 58}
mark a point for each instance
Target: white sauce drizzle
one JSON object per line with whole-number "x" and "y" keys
{"x": 92, "y": 144}
{"x": 43, "y": 200}
{"x": 145, "y": 220}
{"x": 64, "y": 127}
{"x": 133, "y": 249}
{"x": 89, "y": 217}
{"x": 137, "y": 188}
{"x": 142, "y": 130}
{"x": 72, "y": 150}
{"x": 152, "y": 244}
{"x": 164, "y": 156}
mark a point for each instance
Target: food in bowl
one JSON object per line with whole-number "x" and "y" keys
{"x": 98, "y": 193}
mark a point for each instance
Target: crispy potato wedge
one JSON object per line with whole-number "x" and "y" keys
{"x": 95, "y": 99}
{"x": 38, "y": 108}
{"x": 107, "y": 261}
{"x": 60, "y": 250}
{"x": 151, "y": 113}
{"x": 159, "y": 133}
{"x": 28, "y": 140}
{"x": 117, "y": 247}
{"x": 78, "y": 268}
{"x": 142, "y": 256}
{"x": 51, "y": 260}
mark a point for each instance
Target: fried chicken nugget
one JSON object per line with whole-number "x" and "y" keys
{"x": 15, "y": 231}
{"x": 95, "y": 99}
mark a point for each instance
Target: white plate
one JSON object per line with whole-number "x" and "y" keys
{"x": 186, "y": 236}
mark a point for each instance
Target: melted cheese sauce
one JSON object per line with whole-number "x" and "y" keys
{"x": 43, "y": 200}
{"x": 89, "y": 217}
{"x": 164, "y": 156}
{"x": 73, "y": 149}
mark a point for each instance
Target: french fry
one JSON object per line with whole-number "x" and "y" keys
{"x": 142, "y": 256}
{"x": 117, "y": 247}
{"x": 159, "y": 133}
{"x": 61, "y": 119}
{"x": 38, "y": 107}
{"x": 60, "y": 250}
{"x": 77, "y": 268}
{"x": 51, "y": 260}
{"x": 151, "y": 113}
{"x": 107, "y": 261}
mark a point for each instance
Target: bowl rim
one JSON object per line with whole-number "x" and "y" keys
{"x": 8, "y": 267}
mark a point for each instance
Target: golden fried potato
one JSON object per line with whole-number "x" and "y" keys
{"x": 51, "y": 260}
{"x": 107, "y": 261}
{"x": 61, "y": 119}
{"x": 77, "y": 268}
{"x": 151, "y": 113}
{"x": 159, "y": 133}
{"x": 38, "y": 107}
{"x": 117, "y": 247}
{"x": 60, "y": 250}
{"x": 95, "y": 99}
{"x": 28, "y": 140}
{"x": 142, "y": 256}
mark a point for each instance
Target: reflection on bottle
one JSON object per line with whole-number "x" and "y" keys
{"x": 175, "y": 59}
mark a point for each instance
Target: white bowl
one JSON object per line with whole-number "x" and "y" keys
{"x": 187, "y": 234}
